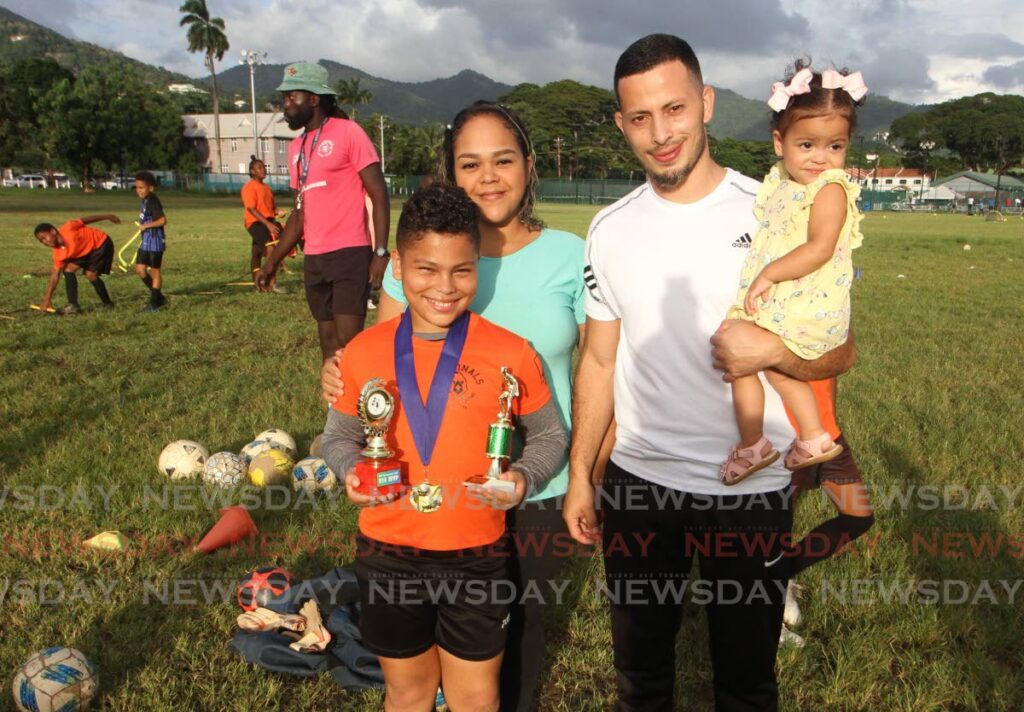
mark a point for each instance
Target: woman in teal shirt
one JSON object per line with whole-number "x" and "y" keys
{"x": 531, "y": 283}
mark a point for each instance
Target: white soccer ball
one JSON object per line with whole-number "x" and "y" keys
{"x": 312, "y": 473}
{"x": 255, "y": 449}
{"x": 182, "y": 459}
{"x": 967, "y": 247}
{"x": 55, "y": 679}
{"x": 224, "y": 469}
{"x": 281, "y": 441}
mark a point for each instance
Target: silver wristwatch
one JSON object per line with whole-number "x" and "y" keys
{"x": 381, "y": 252}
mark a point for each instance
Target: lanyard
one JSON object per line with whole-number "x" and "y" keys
{"x": 304, "y": 164}
{"x": 425, "y": 419}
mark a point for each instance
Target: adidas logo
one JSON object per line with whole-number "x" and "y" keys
{"x": 743, "y": 241}
{"x": 591, "y": 282}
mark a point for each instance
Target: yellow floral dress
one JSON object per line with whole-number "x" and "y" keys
{"x": 810, "y": 314}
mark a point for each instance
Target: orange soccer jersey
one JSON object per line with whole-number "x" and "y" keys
{"x": 459, "y": 452}
{"x": 79, "y": 240}
{"x": 260, "y": 197}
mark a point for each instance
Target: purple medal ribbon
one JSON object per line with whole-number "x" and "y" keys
{"x": 425, "y": 419}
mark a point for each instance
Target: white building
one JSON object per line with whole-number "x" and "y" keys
{"x": 891, "y": 179}
{"x": 237, "y": 141}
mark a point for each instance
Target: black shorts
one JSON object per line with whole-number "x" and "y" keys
{"x": 261, "y": 235}
{"x": 841, "y": 470}
{"x": 338, "y": 282}
{"x": 150, "y": 259}
{"x": 99, "y": 260}
{"x": 413, "y": 599}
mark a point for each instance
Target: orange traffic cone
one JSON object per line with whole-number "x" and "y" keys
{"x": 234, "y": 525}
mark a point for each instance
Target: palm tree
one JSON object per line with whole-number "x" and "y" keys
{"x": 349, "y": 94}
{"x": 206, "y": 34}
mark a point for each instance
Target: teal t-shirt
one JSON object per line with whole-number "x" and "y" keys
{"x": 537, "y": 293}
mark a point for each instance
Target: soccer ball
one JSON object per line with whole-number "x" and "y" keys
{"x": 182, "y": 459}
{"x": 257, "y": 588}
{"x": 312, "y": 473}
{"x": 254, "y": 449}
{"x": 55, "y": 679}
{"x": 280, "y": 440}
{"x": 270, "y": 468}
{"x": 225, "y": 469}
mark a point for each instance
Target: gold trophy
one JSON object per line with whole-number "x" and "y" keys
{"x": 499, "y": 440}
{"x": 379, "y": 472}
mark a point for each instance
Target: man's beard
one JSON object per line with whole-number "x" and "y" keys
{"x": 301, "y": 118}
{"x": 674, "y": 179}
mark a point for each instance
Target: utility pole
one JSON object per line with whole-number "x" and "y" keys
{"x": 558, "y": 154}
{"x": 382, "y": 163}
{"x": 253, "y": 58}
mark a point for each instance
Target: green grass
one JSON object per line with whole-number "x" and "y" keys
{"x": 88, "y": 402}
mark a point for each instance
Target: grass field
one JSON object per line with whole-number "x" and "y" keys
{"x": 925, "y": 614}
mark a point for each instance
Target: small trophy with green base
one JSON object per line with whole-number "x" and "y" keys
{"x": 499, "y": 440}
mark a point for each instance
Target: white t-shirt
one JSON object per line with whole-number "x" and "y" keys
{"x": 669, "y": 271}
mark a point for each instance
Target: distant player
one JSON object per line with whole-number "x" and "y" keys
{"x": 150, "y": 256}
{"x": 261, "y": 216}
{"x": 76, "y": 246}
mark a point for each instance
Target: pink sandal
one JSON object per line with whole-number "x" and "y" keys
{"x": 742, "y": 463}
{"x": 804, "y": 453}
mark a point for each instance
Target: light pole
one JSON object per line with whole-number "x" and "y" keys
{"x": 252, "y": 58}
{"x": 926, "y": 146}
{"x": 382, "y": 164}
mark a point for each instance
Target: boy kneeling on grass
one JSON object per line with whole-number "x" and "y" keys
{"x": 76, "y": 246}
{"x": 447, "y": 364}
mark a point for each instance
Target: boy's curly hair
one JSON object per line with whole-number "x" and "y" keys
{"x": 817, "y": 102}
{"x": 440, "y": 208}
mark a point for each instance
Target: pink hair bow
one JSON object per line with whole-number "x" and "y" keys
{"x": 781, "y": 93}
{"x": 853, "y": 84}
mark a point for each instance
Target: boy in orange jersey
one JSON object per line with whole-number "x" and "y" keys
{"x": 433, "y": 581}
{"x": 76, "y": 246}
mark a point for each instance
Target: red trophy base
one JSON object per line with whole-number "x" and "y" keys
{"x": 378, "y": 478}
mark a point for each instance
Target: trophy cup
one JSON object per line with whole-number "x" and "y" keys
{"x": 499, "y": 440}
{"x": 379, "y": 472}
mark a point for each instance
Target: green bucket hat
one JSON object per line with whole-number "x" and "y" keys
{"x": 305, "y": 76}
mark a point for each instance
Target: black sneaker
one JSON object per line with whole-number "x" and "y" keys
{"x": 149, "y": 308}
{"x": 69, "y": 309}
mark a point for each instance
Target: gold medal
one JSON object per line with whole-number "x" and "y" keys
{"x": 426, "y": 497}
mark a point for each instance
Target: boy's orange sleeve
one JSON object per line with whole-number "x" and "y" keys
{"x": 534, "y": 393}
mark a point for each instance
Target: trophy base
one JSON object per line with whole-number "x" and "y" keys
{"x": 379, "y": 478}
{"x": 491, "y": 483}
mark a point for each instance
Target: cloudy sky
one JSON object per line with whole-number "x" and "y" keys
{"x": 911, "y": 50}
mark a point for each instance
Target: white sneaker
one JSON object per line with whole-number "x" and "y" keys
{"x": 791, "y": 614}
{"x": 788, "y": 637}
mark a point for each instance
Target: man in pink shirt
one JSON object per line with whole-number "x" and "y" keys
{"x": 333, "y": 167}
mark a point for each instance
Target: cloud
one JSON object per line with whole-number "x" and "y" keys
{"x": 979, "y": 45}
{"x": 908, "y": 49}
{"x": 1006, "y": 76}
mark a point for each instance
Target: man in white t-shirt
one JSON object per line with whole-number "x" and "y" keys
{"x": 661, "y": 270}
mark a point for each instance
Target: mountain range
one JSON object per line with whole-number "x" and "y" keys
{"x": 436, "y": 100}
